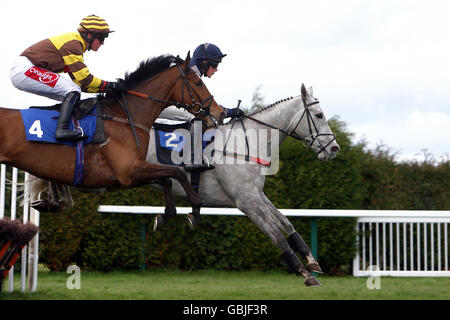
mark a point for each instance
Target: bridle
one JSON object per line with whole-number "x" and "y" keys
{"x": 313, "y": 132}
{"x": 202, "y": 110}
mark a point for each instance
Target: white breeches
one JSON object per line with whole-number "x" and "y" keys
{"x": 27, "y": 77}
{"x": 173, "y": 113}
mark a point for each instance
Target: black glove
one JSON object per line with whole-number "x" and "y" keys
{"x": 236, "y": 113}
{"x": 118, "y": 86}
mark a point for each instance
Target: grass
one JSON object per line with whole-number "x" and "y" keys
{"x": 225, "y": 285}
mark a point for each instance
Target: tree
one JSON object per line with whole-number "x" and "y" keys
{"x": 257, "y": 101}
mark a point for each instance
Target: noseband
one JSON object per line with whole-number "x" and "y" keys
{"x": 313, "y": 132}
{"x": 203, "y": 111}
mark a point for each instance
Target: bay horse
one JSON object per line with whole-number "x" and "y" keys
{"x": 119, "y": 162}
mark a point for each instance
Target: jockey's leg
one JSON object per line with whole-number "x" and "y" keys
{"x": 30, "y": 78}
{"x": 173, "y": 113}
{"x": 27, "y": 77}
{"x": 62, "y": 131}
{"x": 197, "y": 161}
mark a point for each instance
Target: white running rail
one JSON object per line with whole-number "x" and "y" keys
{"x": 389, "y": 242}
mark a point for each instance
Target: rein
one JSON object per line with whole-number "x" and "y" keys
{"x": 311, "y": 125}
{"x": 201, "y": 111}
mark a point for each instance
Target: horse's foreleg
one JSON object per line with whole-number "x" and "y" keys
{"x": 145, "y": 173}
{"x": 170, "y": 210}
{"x": 294, "y": 239}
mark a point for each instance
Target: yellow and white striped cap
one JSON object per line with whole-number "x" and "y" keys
{"x": 94, "y": 24}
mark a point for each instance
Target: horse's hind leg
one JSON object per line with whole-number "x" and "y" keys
{"x": 259, "y": 213}
{"x": 66, "y": 200}
{"x": 51, "y": 204}
{"x": 170, "y": 210}
{"x": 52, "y": 196}
{"x": 299, "y": 245}
{"x": 294, "y": 239}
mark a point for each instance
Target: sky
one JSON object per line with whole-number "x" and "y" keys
{"x": 382, "y": 67}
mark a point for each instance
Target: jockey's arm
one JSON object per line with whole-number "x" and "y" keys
{"x": 234, "y": 112}
{"x": 80, "y": 74}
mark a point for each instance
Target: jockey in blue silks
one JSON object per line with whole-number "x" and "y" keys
{"x": 205, "y": 61}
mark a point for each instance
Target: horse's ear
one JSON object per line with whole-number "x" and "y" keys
{"x": 310, "y": 91}
{"x": 188, "y": 58}
{"x": 304, "y": 92}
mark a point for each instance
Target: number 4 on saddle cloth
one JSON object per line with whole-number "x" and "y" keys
{"x": 41, "y": 122}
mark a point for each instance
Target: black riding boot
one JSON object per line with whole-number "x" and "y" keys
{"x": 198, "y": 167}
{"x": 67, "y": 106}
{"x": 197, "y": 149}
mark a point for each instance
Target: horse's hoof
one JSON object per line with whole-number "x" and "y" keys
{"x": 158, "y": 223}
{"x": 311, "y": 281}
{"x": 55, "y": 208}
{"x": 42, "y": 206}
{"x": 314, "y": 267}
{"x": 192, "y": 220}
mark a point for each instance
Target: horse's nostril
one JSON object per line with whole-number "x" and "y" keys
{"x": 335, "y": 149}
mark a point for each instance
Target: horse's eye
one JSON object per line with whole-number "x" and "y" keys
{"x": 199, "y": 83}
{"x": 319, "y": 115}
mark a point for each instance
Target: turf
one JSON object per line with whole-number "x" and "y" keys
{"x": 225, "y": 285}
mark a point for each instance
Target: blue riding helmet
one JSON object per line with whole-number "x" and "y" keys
{"x": 206, "y": 55}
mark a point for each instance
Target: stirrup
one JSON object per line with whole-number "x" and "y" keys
{"x": 195, "y": 167}
{"x": 68, "y": 135}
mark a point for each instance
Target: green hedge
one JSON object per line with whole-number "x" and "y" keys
{"x": 356, "y": 179}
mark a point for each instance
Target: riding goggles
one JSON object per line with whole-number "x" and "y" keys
{"x": 101, "y": 36}
{"x": 214, "y": 63}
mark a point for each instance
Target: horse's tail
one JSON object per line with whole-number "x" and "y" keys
{"x": 33, "y": 188}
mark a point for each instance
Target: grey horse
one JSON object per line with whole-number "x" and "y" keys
{"x": 240, "y": 184}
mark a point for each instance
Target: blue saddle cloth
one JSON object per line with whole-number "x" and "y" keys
{"x": 166, "y": 141}
{"x": 40, "y": 125}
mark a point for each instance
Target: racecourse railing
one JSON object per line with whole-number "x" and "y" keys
{"x": 409, "y": 245}
{"x": 388, "y": 242}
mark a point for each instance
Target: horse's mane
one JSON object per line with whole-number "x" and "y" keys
{"x": 266, "y": 108}
{"x": 147, "y": 69}
{"x": 270, "y": 106}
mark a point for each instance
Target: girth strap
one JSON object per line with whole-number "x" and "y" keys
{"x": 117, "y": 119}
{"x": 195, "y": 180}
